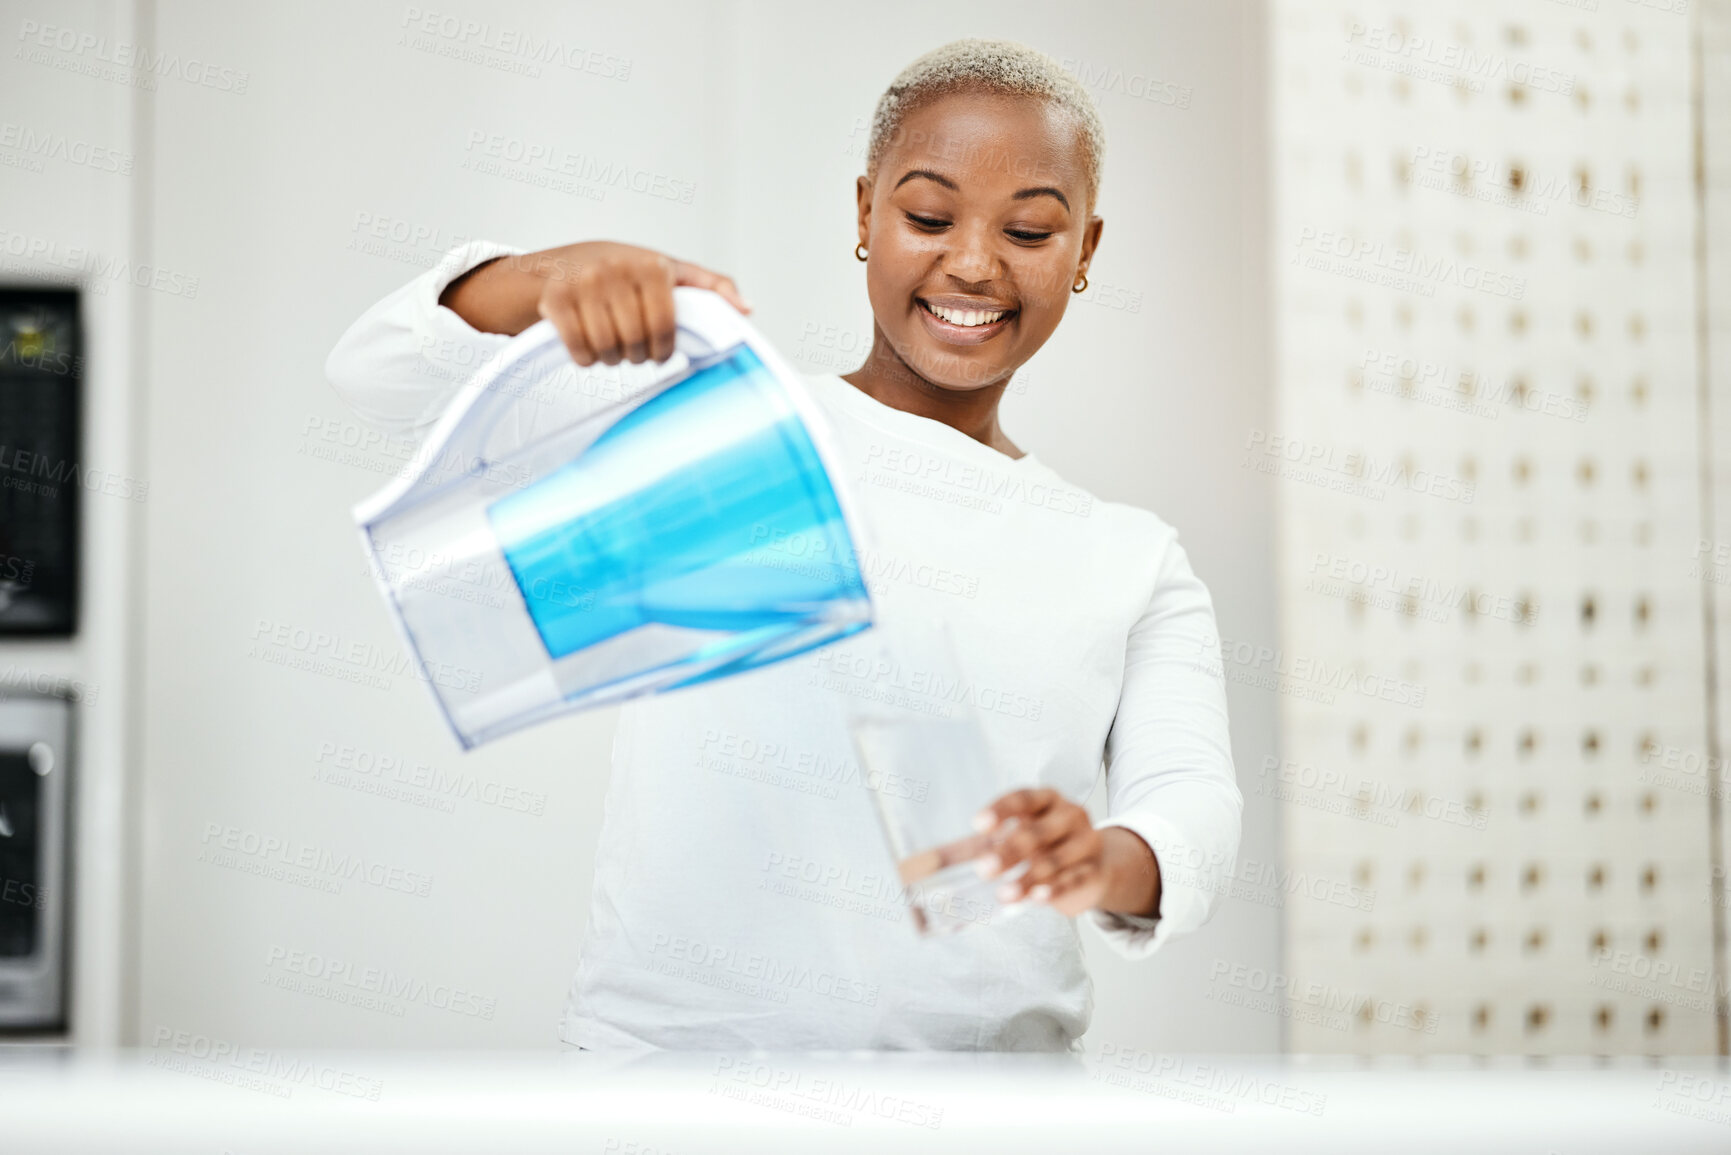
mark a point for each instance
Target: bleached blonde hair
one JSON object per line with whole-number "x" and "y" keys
{"x": 1004, "y": 67}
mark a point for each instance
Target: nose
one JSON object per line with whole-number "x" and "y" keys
{"x": 971, "y": 256}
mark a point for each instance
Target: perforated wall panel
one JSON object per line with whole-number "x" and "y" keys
{"x": 1492, "y": 665}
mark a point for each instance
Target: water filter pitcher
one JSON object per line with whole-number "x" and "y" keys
{"x": 569, "y": 537}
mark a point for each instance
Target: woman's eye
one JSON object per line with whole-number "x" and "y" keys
{"x": 935, "y": 223}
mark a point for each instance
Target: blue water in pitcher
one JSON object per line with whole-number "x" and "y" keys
{"x": 677, "y": 516}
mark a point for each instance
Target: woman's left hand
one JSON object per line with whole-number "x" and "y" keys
{"x": 1066, "y": 856}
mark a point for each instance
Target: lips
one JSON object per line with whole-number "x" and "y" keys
{"x": 965, "y": 323}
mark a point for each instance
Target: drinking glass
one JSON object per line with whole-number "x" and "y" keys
{"x": 926, "y": 764}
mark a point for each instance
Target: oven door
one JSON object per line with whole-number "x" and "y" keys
{"x": 35, "y": 765}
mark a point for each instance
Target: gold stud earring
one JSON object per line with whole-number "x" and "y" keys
{"x": 1083, "y": 285}
{"x": 859, "y": 251}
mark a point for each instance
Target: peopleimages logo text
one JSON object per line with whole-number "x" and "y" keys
{"x": 1366, "y": 469}
{"x": 1221, "y": 654}
{"x": 1416, "y": 267}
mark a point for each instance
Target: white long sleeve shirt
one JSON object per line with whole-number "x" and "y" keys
{"x": 743, "y": 894}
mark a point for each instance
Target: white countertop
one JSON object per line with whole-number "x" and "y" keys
{"x": 199, "y": 1095}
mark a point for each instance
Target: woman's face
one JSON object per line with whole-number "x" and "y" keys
{"x": 976, "y": 228}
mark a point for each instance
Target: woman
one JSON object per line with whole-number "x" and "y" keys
{"x": 740, "y": 895}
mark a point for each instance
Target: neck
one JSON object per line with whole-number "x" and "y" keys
{"x": 888, "y": 379}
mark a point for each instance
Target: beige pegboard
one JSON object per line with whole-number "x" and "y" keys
{"x": 1486, "y": 357}
{"x": 1710, "y": 560}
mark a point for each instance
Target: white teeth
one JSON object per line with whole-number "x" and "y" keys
{"x": 967, "y": 317}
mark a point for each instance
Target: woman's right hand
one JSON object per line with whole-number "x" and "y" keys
{"x": 611, "y": 302}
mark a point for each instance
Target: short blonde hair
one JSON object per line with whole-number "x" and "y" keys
{"x": 1004, "y": 67}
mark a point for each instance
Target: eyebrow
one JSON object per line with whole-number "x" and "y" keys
{"x": 1019, "y": 194}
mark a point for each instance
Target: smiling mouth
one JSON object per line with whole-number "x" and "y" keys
{"x": 966, "y": 318}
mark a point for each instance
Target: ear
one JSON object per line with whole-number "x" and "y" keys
{"x": 863, "y": 193}
{"x": 1090, "y": 241}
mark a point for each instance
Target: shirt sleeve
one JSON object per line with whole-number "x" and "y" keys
{"x": 1169, "y": 773}
{"x": 403, "y": 360}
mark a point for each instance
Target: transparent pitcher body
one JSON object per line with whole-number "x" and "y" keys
{"x": 633, "y": 549}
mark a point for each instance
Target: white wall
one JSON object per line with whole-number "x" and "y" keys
{"x": 258, "y": 194}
